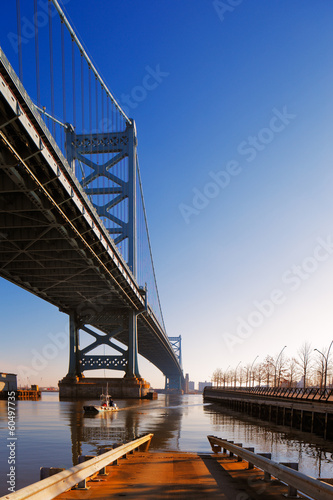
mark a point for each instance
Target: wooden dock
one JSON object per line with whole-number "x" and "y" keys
{"x": 23, "y": 394}
{"x": 29, "y": 394}
{"x": 153, "y": 475}
{"x": 231, "y": 472}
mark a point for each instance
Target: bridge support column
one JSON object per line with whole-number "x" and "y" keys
{"x": 74, "y": 346}
{"x": 133, "y": 366}
{"x": 173, "y": 383}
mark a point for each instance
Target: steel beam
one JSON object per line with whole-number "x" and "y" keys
{"x": 74, "y": 346}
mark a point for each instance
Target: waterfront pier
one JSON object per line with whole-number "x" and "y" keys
{"x": 230, "y": 472}
{"x": 308, "y": 410}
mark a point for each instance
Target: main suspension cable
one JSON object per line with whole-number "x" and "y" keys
{"x": 87, "y": 58}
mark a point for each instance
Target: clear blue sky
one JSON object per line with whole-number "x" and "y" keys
{"x": 235, "y": 148}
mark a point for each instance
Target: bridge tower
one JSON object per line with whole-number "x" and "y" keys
{"x": 118, "y": 146}
{"x": 175, "y": 382}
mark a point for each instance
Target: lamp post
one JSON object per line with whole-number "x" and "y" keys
{"x": 277, "y": 363}
{"x": 236, "y": 373}
{"x": 257, "y": 356}
{"x": 326, "y": 362}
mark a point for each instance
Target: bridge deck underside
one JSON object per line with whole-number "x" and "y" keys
{"x": 50, "y": 247}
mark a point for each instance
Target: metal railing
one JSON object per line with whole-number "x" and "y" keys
{"x": 49, "y": 488}
{"x": 295, "y": 480}
{"x": 307, "y": 394}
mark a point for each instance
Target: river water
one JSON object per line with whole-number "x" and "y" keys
{"x": 53, "y": 433}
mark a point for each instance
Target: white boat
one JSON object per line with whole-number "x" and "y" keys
{"x": 107, "y": 405}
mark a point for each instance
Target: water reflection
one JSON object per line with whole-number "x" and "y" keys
{"x": 133, "y": 419}
{"x": 313, "y": 454}
{"x": 53, "y": 433}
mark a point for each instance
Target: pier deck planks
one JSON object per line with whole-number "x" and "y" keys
{"x": 166, "y": 475}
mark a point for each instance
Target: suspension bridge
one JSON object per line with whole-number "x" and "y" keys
{"x": 73, "y": 224}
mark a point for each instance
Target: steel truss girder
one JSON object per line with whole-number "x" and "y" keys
{"x": 102, "y": 340}
{"x": 123, "y": 145}
{"x": 103, "y": 362}
{"x": 80, "y": 361}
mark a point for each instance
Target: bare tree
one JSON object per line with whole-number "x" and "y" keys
{"x": 268, "y": 369}
{"x": 319, "y": 371}
{"x": 229, "y": 377}
{"x": 225, "y": 378}
{"x": 240, "y": 376}
{"x": 304, "y": 361}
{"x": 258, "y": 372}
{"x": 247, "y": 373}
{"x": 292, "y": 371}
{"x": 217, "y": 377}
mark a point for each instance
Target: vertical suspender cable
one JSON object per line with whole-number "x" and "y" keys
{"x": 96, "y": 104}
{"x": 108, "y": 121}
{"x": 122, "y": 205}
{"x": 82, "y": 93}
{"x": 90, "y": 109}
{"x": 101, "y": 131}
{"x": 37, "y": 52}
{"x": 149, "y": 245}
{"x": 90, "y": 103}
{"x": 73, "y": 82}
{"x": 63, "y": 66}
{"x": 118, "y": 214}
{"x": 99, "y": 180}
{"x": 85, "y": 55}
{"x": 102, "y": 127}
{"x": 107, "y": 130}
{"x": 19, "y": 39}
{"x": 51, "y": 67}
{"x": 82, "y": 106}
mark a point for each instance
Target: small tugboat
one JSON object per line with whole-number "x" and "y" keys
{"x": 107, "y": 405}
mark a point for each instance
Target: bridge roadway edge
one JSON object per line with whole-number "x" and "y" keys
{"x": 315, "y": 417}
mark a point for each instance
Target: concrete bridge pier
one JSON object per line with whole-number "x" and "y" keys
{"x": 76, "y": 386}
{"x": 92, "y": 388}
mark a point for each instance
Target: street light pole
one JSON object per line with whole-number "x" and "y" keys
{"x": 277, "y": 363}
{"x": 326, "y": 363}
{"x": 257, "y": 356}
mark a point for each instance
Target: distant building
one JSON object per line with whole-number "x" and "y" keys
{"x": 191, "y": 386}
{"x": 202, "y": 385}
{"x": 8, "y": 382}
{"x": 187, "y": 378}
